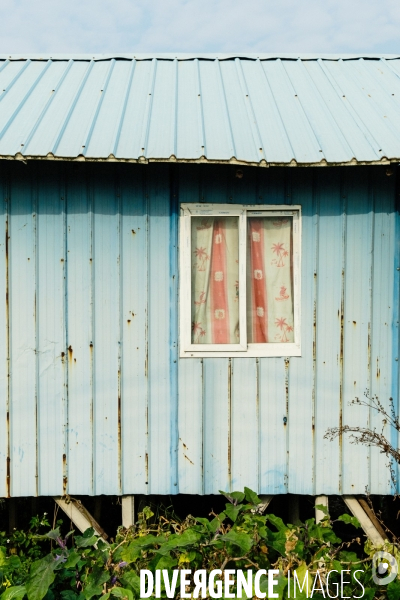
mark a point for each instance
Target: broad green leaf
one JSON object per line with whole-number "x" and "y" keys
{"x": 350, "y": 520}
{"x": 3, "y": 556}
{"x": 41, "y": 576}
{"x": 216, "y": 522}
{"x": 279, "y": 524}
{"x": 187, "y": 538}
{"x": 72, "y": 560}
{"x": 53, "y": 534}
{"x": 278, "y": 544}
{"x": 129, "y": 553}
{"x": 205, "y": 522}
{"x": 232, "y": 511}
{"x": 147, "y": 512}
{"x": 122, "y": 593}
{"x": 147, "y": 541}
{"x": 236, "y": 496}
{"x": 305, "y": 580}
{"x": 251, "y": 496}
{"x": 393, "y": 590}
{"x": 68, "y": 595}
{"x": 13, "y": 562}
{"x": 94, "y": 582}
{"x": 16, "y": 592}
{"x": 369, "y": 594}
{"x": 85, "y": 542}
{"x": 133, "y": 580}
{"x": 243, "y": 540}
{"x": 330, "y": 536}
{"x": 162, "y": 561}
{"x": 349, "y": 557}
{"x": 322, "y": 508}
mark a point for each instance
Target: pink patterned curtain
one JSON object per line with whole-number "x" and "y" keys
{"x": 269, "y": 280}
{"x": 215, "y": 280}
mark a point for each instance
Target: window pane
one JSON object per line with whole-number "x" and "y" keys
{"x": 215, "y": 280}
{"x": 269, "y": 280}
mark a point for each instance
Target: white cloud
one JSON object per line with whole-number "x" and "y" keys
{"x": 199, "y": 26}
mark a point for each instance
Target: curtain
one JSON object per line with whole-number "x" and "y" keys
{"x": 215, "y": 280}
{"x": 269, "y": 280}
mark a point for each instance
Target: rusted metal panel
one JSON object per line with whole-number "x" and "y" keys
{"x": 245, "y": 424}
{"x": 357, "y": 323}
{"x": 328, "y": 331}
{"x": 135, "y": 300}
{"x": 77, "y": 357}
{"x": 191, "y": 409}
{"x": 161, "y": 438}
{"x": 273, "y": 397}
{"x": 4, "y": 336}
{"x": 190, "y": 447}
{"x": 216, "y": 424}
{"x": 384, "y": 318}
{"x": 23, "y": 349}
{"x": 300, "y": 373}
{"x": 97, "y": 402}
{"x": 106, "y": 334}
{"x": 260, "y": 110}
{"x": 50, "y": 332}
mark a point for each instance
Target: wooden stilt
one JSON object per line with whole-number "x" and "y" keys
{"x": 128, "y": 511}
{"x": 365, "y": 506}
{"x": 319, "y": 514}
{"x": 369, "y": 528}
{"x": 78, "y": 514}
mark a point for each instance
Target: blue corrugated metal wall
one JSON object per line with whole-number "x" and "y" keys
{"x": 93, "y": 396}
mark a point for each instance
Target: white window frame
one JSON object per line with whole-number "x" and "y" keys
{"x": 242, "y": 349}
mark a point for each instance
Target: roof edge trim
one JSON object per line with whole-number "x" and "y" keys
{"x": 202, "y": 160}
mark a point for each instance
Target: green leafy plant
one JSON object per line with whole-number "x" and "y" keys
{"x": 240, "y": 537}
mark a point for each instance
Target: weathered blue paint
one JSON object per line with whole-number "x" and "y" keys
{"x": 395, "y": 387}
{"x": 98, "y": 400}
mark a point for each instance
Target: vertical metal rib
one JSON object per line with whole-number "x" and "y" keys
{"x": 147, "y": 115}
{"x": 72, "y": 108}
{"x": 98, "y": 107}
{"x": 123, "y": 112}
{"x": 46, "y": 106}
{"x": 228, "y": 120}
{"x": 24, "y": 99}
{"x": 201, "y": 126}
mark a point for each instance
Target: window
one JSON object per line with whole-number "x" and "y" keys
{"x": 239, "y": 280}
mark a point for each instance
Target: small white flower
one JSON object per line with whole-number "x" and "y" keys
{"x": 45, "y": 514}
{"x": 8, "y": 541}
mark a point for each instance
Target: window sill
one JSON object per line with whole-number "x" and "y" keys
{"x": 253, "y": 351}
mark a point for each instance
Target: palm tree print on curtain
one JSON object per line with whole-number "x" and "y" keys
{"x": 215, "y": 275}
{"x": 269, "y": 280}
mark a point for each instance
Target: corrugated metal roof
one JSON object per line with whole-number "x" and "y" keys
{"x": 260, "y": 109}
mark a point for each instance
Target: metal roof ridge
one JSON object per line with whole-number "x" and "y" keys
{"x": 192, "y": 56}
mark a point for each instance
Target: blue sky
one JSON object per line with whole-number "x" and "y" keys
{"x": 216, "y": 26}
